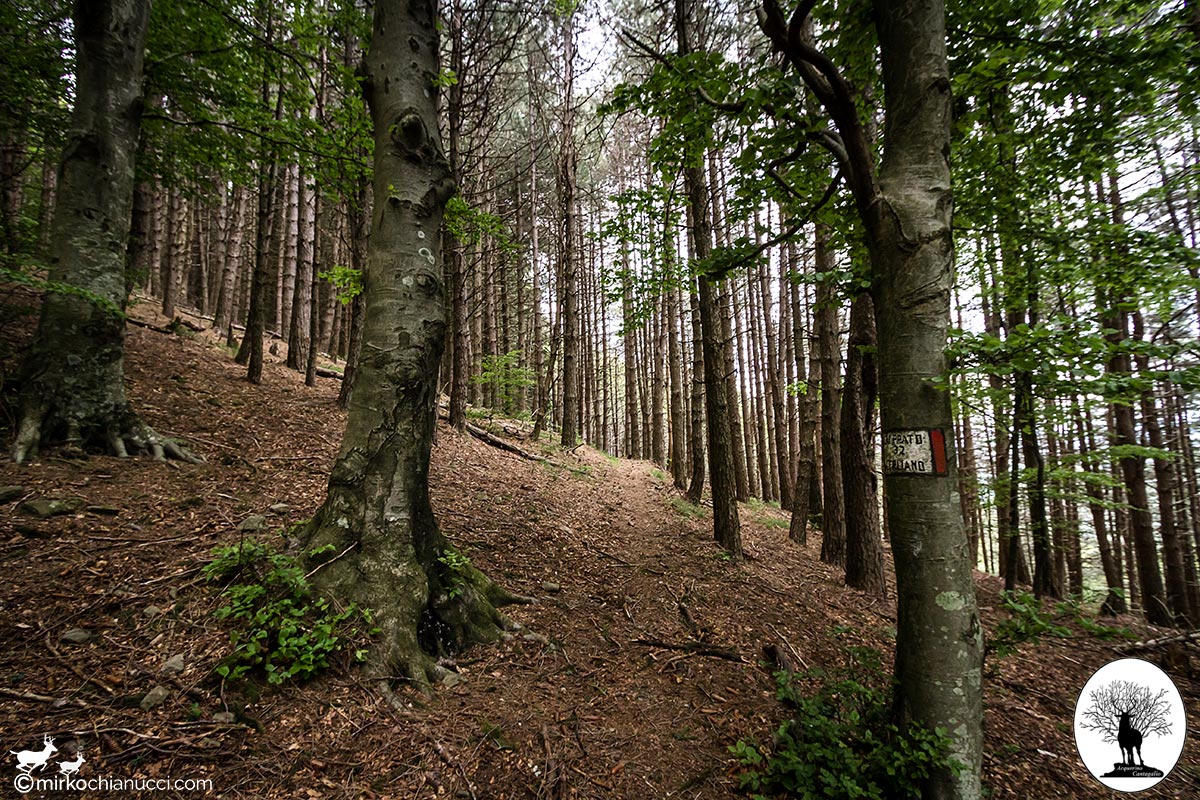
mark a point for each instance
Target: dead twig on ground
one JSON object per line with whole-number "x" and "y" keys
{"x": 695, "y": 648}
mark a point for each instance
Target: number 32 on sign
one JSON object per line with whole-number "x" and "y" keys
{"x": 915, "y": 452}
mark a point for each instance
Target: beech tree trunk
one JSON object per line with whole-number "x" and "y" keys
{"x": 375, "y": 541}
{"x": 72, "y": 380}
{"x": 939, "y": 648}
{"x": 906, "y": 206}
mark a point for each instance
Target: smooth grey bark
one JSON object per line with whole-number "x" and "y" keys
{"x": 906, "y": 208}
{"x": 939, "y": 641}
{"x": 72, "y": 380}
{"x": 375, "y": 541}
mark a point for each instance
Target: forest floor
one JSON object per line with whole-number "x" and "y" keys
{"x": 586, "y": 709}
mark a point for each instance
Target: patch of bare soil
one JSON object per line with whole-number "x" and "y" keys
{"x": 639, "y": 666}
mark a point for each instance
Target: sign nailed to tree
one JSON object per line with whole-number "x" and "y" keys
{"x": 914, "y": 452}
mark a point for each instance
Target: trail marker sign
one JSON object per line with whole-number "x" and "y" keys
{"x": 915, "y": 452}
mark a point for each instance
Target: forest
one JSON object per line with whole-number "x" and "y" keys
{"x": 823, "y": 374}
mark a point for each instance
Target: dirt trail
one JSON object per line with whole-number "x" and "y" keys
{"x": 575, "y": 706}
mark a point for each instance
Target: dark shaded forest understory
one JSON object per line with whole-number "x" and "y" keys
{"x": 577, "y": 704}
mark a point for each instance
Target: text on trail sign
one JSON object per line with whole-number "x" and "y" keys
{"x": 918, "y": 452}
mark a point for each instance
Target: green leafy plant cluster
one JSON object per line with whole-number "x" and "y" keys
{"x": 281, "y": 629}
{"x": 458, "y": 568}
{"x": 347, "y": 282}
{"x": 507, "y": 375}
{"x": 1026, "y": 623}
{"x": 842, "y": 743}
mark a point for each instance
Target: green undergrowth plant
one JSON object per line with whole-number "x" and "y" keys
{"x": 458, "y": 569}
{"x": 686, "y": 509}
{"x": 279, "y": 629}
{"x": 1026, "y": 622}
{"x": 1029, "y": 621}
{"x": 841, "y": 742}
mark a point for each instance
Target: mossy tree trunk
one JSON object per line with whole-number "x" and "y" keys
{"x": 375, "y": 541}
{"x": 72, "y": 381}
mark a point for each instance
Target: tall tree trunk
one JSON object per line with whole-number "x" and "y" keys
{"x": 726, "y": 523}
{"x": 567, "y": 176}
{"x": 72, "y": 380}
{"x": 250, "y": 353}
{"x": 301, "y": 319}
{"x": 864, "y": 544}
{"x": 1115, "y": 320}
{"x": 678, "y": 427}
{"x": 696, "y": 428}
{"x": 833, "y": 518}
{"x": 775, "y": 388}
{"x": 375, "y": 541}
{"x": 905, "y": 207}
{"x": 1165, "y": 483}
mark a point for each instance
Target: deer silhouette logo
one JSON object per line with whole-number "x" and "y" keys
{"x": 1129, "y": 706}
{"x": 29, "y": 760}
{"x": 1129, "y": 739}
{"x": 71, "y": 767}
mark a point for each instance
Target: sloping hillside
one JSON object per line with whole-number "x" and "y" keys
{"x": 636, "y": 670}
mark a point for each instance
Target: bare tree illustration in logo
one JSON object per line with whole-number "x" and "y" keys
{"x": 1127, "y": 713}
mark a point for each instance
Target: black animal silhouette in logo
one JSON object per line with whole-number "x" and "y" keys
{"x": 1127, "y": 713}
{"x": 1129, "y": 739}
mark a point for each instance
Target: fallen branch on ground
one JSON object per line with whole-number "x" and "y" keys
{"x": 1147, "y": 644}
{"x": 496, "y": 441}
{"x": 695, "y": 648}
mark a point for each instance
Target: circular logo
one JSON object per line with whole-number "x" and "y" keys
{"x": 1129, "y": 725}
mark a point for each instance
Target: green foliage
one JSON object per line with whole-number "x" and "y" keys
{"x": 30, "y": 278}
{"x": 507, "y": 375}
{"x": 458, "y": 570}
{"x": 347, "y": 282}
{"x": 1081, "y": 611}
{"x": 281, "y": 630}
{"x": 687, "y": 509}
{"x": 470, "y": 225}
{"x": 842, "y": 743}
{"x": 1026, "y": 623}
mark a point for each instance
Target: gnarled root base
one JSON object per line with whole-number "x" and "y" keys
{"x": 118, "y": 431}
{"x": 425, "y": 612}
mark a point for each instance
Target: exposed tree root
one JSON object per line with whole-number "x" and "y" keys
{"x": 118, "y": 432}
{"x": 427, "y": 609}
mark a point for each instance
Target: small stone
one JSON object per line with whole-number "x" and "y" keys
{"x": 174, "y": 665}
{"x": 535, "y": 637}
{"x": 280, "y": 508}
{"x": 452, "y": 679}
{"x": 551, "y": 587}
{"x": 150, "y": 612}
{"x": 252, "y": 523}
{"x": 10, "y": 493}
{"x": 154, "y": 698}
{"x": 49, "y": 507}
{"x": 77, "y": 636}
{"x": 225, "y": 717}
